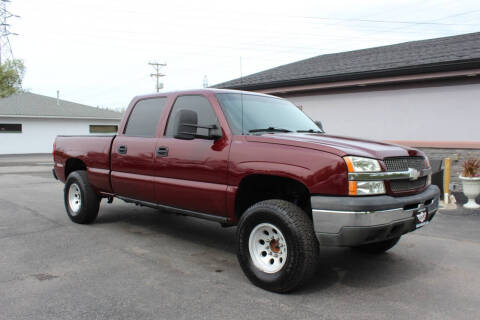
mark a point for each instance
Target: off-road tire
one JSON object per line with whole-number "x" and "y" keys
{"x": 302, "y": 245}
{"x": 378, "y": 247}
{"x": 89, "y": 200}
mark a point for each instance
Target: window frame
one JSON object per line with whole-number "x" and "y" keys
{"x": 172, "y": 106}
{"x": 165, "y": 106}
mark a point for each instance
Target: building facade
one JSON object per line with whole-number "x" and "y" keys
{"x": 29, "y": 122}
{"x": 423, "y": 94}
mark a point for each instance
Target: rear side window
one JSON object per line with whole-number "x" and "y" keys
{"x": 144, "y": 117}
{"x": 195, "y": 110}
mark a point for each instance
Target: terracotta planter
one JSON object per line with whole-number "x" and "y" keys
{"x": 471, "y": 189}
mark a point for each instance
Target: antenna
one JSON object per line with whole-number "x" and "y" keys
{"x": 6, "y": 52}
{"x": 205, "y": 81}
{"x": 157, "y": 73}
{"x": 241, "y": 95}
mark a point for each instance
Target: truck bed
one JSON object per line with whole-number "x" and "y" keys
{"x": 93, "y": 151}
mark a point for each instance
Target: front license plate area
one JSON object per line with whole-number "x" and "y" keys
{"x": 421, "y": 218}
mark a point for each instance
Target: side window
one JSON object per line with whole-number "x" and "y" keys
{"x": 193, "y": 110}
{"x": 144, "y": 117}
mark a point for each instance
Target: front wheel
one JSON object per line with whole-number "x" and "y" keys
{"x": 276, "y": 245}
{"x": 81, "y": 201}
{"x": 378, "y": 247}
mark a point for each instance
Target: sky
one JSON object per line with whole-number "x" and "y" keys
{"x": 97, "y": 52}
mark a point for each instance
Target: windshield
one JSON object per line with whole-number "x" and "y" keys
{"x": 262, "y": 113}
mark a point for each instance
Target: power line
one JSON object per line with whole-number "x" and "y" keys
{"x": 433, "y": 21}
{"x": 194, "y": 14}
{"x": 157, "y": 73}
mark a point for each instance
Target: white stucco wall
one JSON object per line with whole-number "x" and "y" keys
{"x": 39, "y": 134}
{"x": 425, "y": 113}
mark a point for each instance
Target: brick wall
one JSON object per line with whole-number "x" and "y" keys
{"x": 453, "y": 154}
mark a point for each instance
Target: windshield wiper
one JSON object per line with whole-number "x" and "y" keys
{"x": 270, "y": 129}
{"x": 310, "y": 131}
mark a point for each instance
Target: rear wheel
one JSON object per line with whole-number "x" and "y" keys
{"x": 276, "y": 245}
{"x": 378, "y": 247}
{"x": 81, "y": 201}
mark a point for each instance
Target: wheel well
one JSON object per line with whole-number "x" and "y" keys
{"x": 74, "y": 165}
{"x": 256, "y": 188}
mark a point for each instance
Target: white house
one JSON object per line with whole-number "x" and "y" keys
{"x": 424, "y": 94}
{"x": 29, "y": 122}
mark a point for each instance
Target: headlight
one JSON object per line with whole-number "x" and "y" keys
{"x": 358, "y": 164}
{"x": 427, "y": 162}
{"x": 364, "y": 188}
{"x": 428, "y": 165}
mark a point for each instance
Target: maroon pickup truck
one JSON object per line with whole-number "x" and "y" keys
{"x": 258, "y": 162}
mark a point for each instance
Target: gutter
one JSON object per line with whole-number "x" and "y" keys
{"x": 55, "y": 117}
{"x": 402, "y": 71}
{"x": 438, "y": 144}
{"x": 373, "y": 81}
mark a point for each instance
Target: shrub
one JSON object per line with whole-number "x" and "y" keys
{"x": 470, "y": 168}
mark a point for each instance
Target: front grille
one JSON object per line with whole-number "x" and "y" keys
{"x": 407, "y": 185}
{"x": 403, "y": 163}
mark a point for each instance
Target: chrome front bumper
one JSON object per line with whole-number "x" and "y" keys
{"x": 352, "y": 221}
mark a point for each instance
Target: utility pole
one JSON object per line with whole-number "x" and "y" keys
{"x": 157, "y": 73}
{"x": 5, "y": 47}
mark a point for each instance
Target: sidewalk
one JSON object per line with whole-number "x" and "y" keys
{"x": 457, "y": 209}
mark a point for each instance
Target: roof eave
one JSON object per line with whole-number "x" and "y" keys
{"x": 55, "y": 117}
{"x": 411, "y": 70}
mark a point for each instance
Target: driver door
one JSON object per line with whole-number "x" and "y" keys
{"x": 191, "y": 174}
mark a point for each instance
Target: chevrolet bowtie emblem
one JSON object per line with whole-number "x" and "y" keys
{"x": 414, "y": 174}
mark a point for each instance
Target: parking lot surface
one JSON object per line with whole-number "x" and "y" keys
{"x": 140, "y": 263}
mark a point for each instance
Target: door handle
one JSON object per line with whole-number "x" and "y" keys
{"x": 122, "y": 149}
{"x": 162, "y": 151}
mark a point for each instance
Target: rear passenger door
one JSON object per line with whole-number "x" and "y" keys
{"x": 133, "y": 151}
{"x": 192, "y": 174}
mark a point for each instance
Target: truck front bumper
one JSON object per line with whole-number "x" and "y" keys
{"x": 353, "y": 221}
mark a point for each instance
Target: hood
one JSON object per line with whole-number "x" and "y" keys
{"x": 341, "y": 146}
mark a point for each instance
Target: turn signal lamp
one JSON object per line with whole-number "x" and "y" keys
{"x": 363, "y": 188}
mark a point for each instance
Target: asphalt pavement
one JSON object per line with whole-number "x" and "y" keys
{"x": 140, "y": 263}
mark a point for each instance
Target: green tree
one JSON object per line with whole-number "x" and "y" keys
{"x": 11, "y": 75}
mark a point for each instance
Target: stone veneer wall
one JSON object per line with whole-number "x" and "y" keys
{"x": 460, "y": 154}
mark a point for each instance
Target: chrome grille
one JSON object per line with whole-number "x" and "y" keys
{"x": 406, "y": 185}
{"x": 403, "y": 163}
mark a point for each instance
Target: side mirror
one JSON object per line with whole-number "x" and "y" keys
{"x": 319, "y": 125}
{"x": 213, "y": 132}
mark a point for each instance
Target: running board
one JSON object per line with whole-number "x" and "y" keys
{"x": 196, "y": 214}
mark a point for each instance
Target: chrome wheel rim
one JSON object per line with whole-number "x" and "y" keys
{"x": 268, "y": 248}
{"x": 74, "y": 198}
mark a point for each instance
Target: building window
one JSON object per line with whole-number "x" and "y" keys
{"x": 103, "y": 128}
{"x": 10, "y": 127}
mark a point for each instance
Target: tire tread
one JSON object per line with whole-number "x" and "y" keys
{"x": 90, "y": 200}
{"x": 307, "y": 247}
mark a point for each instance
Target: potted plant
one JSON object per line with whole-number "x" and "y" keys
{"x": 471, "y": 182}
